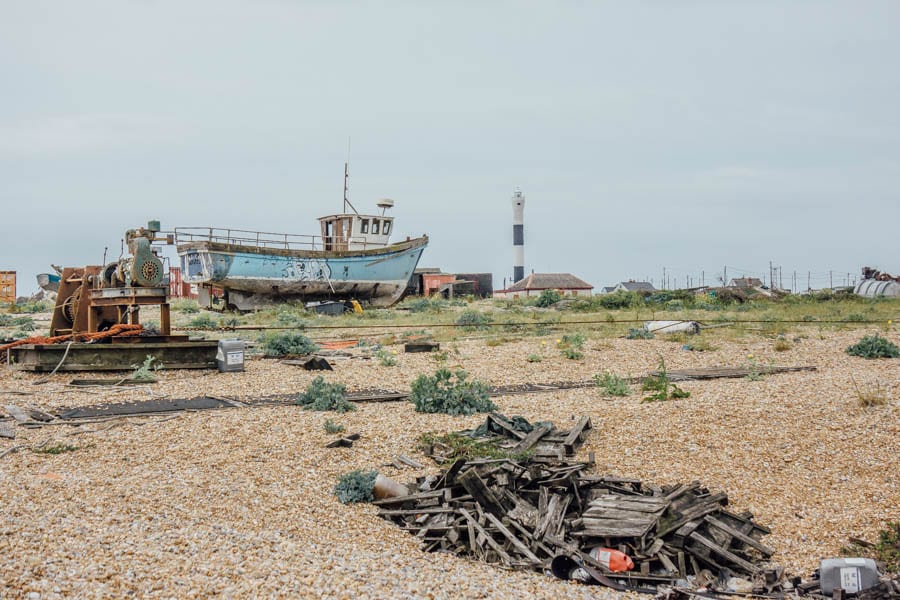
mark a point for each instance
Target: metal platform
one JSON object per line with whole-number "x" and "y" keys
{"x": 43, "y": 358}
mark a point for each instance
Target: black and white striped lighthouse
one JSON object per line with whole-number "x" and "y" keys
{"x": 518, "y": 204}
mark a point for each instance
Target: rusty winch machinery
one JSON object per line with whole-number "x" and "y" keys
{"x": 94, "y": 298}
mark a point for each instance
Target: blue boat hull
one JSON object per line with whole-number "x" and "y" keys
{"x": 253, "y": 277}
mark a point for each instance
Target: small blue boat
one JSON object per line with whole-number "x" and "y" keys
{"x": 352, "y": 258}
{"x": 49, "y": 282}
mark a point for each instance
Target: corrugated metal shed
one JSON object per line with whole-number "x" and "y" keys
{"x": 872, "y": 288}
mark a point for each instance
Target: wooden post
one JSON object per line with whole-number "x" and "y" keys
{"x": 165, "y": 322}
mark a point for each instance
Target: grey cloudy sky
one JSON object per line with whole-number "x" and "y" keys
{"x": 688, "y": 135}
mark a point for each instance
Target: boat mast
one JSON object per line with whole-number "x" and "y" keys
{"x": 346, "y": 178}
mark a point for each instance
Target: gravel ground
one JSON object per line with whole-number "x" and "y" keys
{"x": 238, "y": 503}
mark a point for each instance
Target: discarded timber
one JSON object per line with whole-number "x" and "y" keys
{"x": 411, "y": 347}
{"x": 44, "y": 358}
{"x": 524, "y": 513}
{"x": 343, "y": 442}
{"x": 728, "y": 372}
{"x": 111, "y": 382}
{"x": 313, "y": 363}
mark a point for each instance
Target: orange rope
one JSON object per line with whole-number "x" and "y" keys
{"x": 122, "y": 329}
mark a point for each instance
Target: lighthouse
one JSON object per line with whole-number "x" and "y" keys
{"x": 518, "y": 204}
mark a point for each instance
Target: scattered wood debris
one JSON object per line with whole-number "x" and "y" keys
{"x": 111, "y": 382}
{"x": 524, "y": 512}
{"x": 421, "y": 346}
{"x": 344, "y": 441}
{"x": 313, "y": 363}
{"x": 8, "y": 431}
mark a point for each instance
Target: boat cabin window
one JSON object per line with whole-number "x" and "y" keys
{"x": 386, "y": 227}
{"x": 364, "y": 226}
{"x": 375, "y": 226}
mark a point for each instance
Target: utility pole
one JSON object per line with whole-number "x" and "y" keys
{"x": 808, "y": 281}
{"x": 771, "y": 279}
{"x": 830, "y": 281}
{"x": 725, "y": 276}
{"x": 702, "y": 278}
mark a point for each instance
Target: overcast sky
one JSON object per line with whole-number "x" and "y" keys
{"x": 685, "y": 135}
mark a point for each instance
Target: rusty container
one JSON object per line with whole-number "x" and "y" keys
{"x": 7, "y": 287}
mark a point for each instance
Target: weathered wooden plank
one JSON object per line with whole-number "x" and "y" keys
{"x": 531, "y": 439}
{"x": 708, "y": 505}
{"x": 8, "y": 431}
{"x": 17, "y": 413}
{"x": 612, "y": 513}
{"x": 764, "y": 550}
{"x": 597, "y": 528}
{"x": 415, "y": 511}
{"x": 547, "y": 517}
{"x": 730, "y": 556}
{"x": 487, "y": 537}
{"x": 646, "y": 504}
{"x": 503, "y": 424}
{"x": 480, "y": 491}
{"x": 512, "y": 538}
{"x": 576, "y": 434}
{"x": 410, "y": 498}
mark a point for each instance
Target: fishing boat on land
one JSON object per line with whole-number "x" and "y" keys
{"x": 351, "y": 259}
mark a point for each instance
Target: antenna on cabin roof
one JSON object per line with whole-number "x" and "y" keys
{"x": 346, "y": 181}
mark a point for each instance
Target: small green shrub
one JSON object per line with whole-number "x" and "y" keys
{"x": 612, "y": 385}
{"x": 355, "y": 486}
{"x": 386, "y": 358}
{"x": 782, "y": 345}
{"x": 548, "y": 298}
{"x": 699, "y": 345}
{"x": 675, "y": 305}
{"x": 535, "y": 358}
{"x": 639, "y": 334}
{"x": 886, "y": 550}
{"x": 34, "y": 306}
{"x": 57, "y": 449}
{"x": 754, "y": 372}
{"x": 186, "y": 306}
{"x": 874, "y": 346}
{"x": 288, "y": 318}
{"x": 871, "y": 394}
{"x": 420, "y": 305}
{"x": 332, "y": 427}
{"x": 26, "y": 323}
{"x": 662, "y": 388}
{"x": 320, "y": 395}
{"x": 619, "y": 299}
{"x": 203, "y": 321}
{"x": 450, "y": 393}
{"x": 473, "y": 319}
{"x": 855, "y": 318}
{"x": 146, "y": 370}
{"x": 570, "y": 346}
{"x": 572, "y": 353}
{"x": 287, "y": 343}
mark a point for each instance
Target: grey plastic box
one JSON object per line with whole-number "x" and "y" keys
{"x": 230, "y": 356}
{"x": 850, "y": 574}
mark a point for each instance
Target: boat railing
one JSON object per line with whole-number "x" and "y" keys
{"x": 263, "y": 239}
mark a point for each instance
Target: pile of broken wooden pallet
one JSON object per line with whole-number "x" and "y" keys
{"x": 523, "y": 513}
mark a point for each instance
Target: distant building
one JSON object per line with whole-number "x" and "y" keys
{"x": 607, "y": 289}
{"x": 745, "y": 282}
{"x": 535, "y": 283}
{"x": 431, "y": 280}
{"x": 633, "y": 286}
